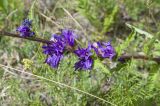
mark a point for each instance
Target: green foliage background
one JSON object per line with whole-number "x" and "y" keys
{"x": 132, "y": 25}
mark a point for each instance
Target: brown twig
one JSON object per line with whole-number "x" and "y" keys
{"x": 121, "y": 58}
{"x": 143, "y": 57}
{"x": 3, "y": 33}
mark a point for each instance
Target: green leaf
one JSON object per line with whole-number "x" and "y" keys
{"x": 99, "y": 64}
{"x": 140, "y": 31}
{"x": 149, "y": 45}
{"x": 31, "y": 13}
{"x": 126, "y": 43}
{"x": 4, "y": 5}
{"x": 109, "y": 20}
{"x": 155, "y": 79}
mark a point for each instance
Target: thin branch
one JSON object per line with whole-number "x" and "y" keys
{"x": 122, "y": 58}
{"x": 126, "y": 57}
{"x": 3, "y": 33}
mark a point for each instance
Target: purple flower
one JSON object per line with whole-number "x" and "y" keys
{"x": 54, "y": 51}
{"x": 60, "y": 43}
{"x": 85, "y": 61}
{"x": 83, "y": 52}
{"x": 56, "y": 38}
{"x": 25, "y": 29}
{"x": 54, "y": 48}
{"x": 27, "y": 22}
{"x": 69, "y": 36}
{"x": 57, "y": 47}
{"x": 104, "y": 50}
{"x": 53, "y": 60}
{"x": 84, "y": 64}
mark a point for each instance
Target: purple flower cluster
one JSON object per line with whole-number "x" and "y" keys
{"x": 25, "y": 28}
{"x": 104, "y": 50}
{"x": 66, "y": 41}
{"x": 55, "y": 50}
{"x": 85, "y": 61}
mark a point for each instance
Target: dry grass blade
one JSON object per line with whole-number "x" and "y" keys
{"x": 59, "y": 83}
{"x": 74, "y": 20}
{"x": 49, "y": 19}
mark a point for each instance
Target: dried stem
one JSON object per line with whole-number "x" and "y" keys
{"x": 3, "y": 33}
{"x": 121, "y": 58}
{"x": 125, "y": 57}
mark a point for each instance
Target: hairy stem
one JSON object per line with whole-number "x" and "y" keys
{"x": 121, "y": 58}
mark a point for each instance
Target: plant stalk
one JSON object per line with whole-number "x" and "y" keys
{"x": 122, "y": 58}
